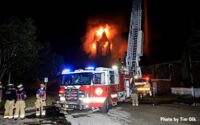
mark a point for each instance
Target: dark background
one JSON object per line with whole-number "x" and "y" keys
{"x": 63, "y": 24}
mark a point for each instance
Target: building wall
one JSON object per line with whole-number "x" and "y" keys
{"x": 176, "y": 71}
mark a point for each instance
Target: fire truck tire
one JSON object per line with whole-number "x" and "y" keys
{"x": 105, "y": 107}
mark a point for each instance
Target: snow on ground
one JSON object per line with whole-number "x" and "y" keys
{"x": 114, "y": 117}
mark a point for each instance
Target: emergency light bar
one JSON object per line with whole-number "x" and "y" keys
{"x": 90, "y": 68}
{"x": 65, "y": 71}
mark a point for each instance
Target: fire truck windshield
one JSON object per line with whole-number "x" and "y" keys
{"x": 77, "y": 79}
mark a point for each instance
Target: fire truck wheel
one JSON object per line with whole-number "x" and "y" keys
{"x": 105, "y": 107}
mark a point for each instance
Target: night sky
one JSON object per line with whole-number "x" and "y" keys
{"x": 64, "y": 24}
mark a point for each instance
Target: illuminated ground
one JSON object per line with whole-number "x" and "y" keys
{"x": 145, "y": 114}
{"x": 124, "y": 114}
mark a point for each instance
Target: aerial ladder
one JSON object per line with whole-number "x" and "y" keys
{"x": 135, "y": 40}
{"x": 135, "y": 51}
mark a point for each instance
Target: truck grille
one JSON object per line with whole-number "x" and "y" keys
{"x": 71, "y": 94}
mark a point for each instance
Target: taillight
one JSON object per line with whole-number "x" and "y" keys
{"x": 62, "y": 90}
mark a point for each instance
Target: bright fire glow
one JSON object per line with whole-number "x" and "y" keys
{"x": 105, "y": 45}
{"x": 114, "y": 33}
{"x": 94, "y": 46}
{"x": 101, "y": 30}
{"x": 111, "y": 46}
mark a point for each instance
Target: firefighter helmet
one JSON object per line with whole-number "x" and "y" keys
{"x": 20, "y": 86}
{"x": 10, "y": 85}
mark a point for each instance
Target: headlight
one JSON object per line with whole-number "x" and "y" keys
{"x": 62, "y": 99}
{"x": 81, "y": 94}
{"x": 65, "y": 106}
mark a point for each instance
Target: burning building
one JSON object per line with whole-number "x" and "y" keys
{"x": 102, "y": 45}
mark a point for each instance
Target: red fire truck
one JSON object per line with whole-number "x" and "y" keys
{"x": 91, "y": 88}
{"x": 102, "y": 87}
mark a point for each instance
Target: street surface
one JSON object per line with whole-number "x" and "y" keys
{"x": 123, "y": 114}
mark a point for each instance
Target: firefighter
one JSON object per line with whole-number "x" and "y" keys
{"x": 134, "y": 95}
{"x": 40, "y": 102}
{"x": 148, "y": 85}
{"x": 10, "y": 96}
{"x": 20, "y": 103}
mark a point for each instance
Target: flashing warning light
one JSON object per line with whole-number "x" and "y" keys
{"x": 90, "y": 68}
{"x": 65, "y": 71}
{"x": 114, "y": 67}
{"x": 147, "y": 78}
{"x": 62, "y": 90}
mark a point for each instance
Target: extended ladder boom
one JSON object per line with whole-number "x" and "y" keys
{"x": 135, "y": 40}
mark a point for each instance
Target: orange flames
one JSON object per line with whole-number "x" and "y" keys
{"x": 105, "y": 45}
{"x": 101, "y": 30}
{"x": 94, "y": 35}
{"x": 99, "y": 34}
{"x": 94, "y": 46}
{"x": 113, "y": 32}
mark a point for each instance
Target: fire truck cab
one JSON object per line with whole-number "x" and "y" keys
{"x": 91, "y": 88}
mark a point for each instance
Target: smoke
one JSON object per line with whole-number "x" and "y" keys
{"x": 118, "y": 35}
